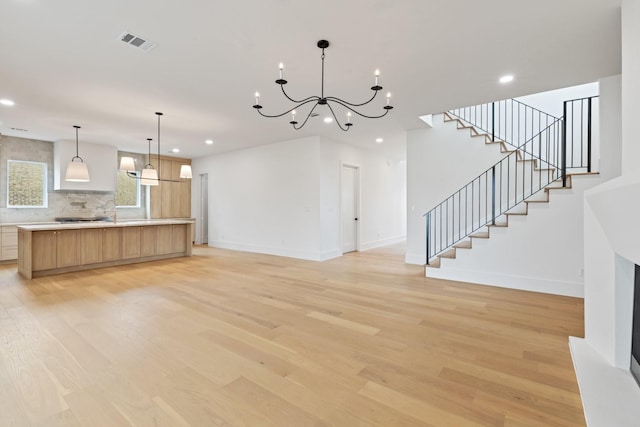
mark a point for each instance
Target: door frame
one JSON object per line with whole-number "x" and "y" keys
{"x": 358, "y": 170}
{"x": 204, "y": 206}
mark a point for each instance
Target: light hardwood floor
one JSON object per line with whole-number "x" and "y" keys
{"x": 235, "y": 339}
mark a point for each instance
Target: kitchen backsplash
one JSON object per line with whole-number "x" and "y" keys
{"x": 60, "y": 203}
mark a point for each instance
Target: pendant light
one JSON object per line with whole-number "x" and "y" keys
{"x": 149, "y": 174}
{"x": 185, "y": 172}
{"x": 77, "y": 171}
{"x": 127, "y": 164}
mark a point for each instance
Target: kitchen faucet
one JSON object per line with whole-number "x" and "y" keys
{"x": 114, "y": 211}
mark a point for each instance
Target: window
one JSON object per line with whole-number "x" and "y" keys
{"x": 127, "y": 191}
{"x": 26, "y": 184}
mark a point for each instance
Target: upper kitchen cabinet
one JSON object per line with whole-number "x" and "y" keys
{"x": 172, "y": 198}
{"x": 102, "y": 161}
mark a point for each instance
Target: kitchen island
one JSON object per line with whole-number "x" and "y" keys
{"x": 46, "y": 249}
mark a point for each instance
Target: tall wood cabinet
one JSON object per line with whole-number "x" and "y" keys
{"x": 171, "y": 199}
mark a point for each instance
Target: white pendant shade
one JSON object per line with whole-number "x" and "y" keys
{"x": 185, "y": 171}
{"x": 77, "y": 172}
{"x": 127, "y": 164}
{"x": 149, "y": 177}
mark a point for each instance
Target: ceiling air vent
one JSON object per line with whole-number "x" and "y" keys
{"x": 137, "y": 41}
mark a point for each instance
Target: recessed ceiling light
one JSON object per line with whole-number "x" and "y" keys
{"x": 506, "y": 79}
{"x": 175, "y": 150}
{"x": 328, "y": 119}
{"x": 379, "y": 140}
{"x": 7, "y": 102}
{"x": 209, "y": 141}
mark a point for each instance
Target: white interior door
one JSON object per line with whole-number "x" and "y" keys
{"x": 350, "y": 185}
{"x": 204, "y": 208}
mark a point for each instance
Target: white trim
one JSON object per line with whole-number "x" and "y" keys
{"x": 417, "y": 259}
{"x": 609, "y": 395}
{"x": 358, "y": 169}
{"x": 270, "y": 250}
{"x": 533, "y": 284}
{"x": 382, "y": 242}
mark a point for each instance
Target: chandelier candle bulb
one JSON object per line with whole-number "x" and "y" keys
{"x": 388, "y": 97}
{"x": 257, "y": 98}
{"x": 377, "y": 73}
{"x": 281, "y": 68}
{"x": 348, "y": 116}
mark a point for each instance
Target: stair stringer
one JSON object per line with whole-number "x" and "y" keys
{"x": 539, "y": 249}
{"x": 476, "y": 133}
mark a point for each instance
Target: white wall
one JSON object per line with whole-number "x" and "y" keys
{"x": 284, "y": 198}
{"x": 440, "y": 160}
{"x": 383, "y": 201}
{"x": 609, "y": 393}
{"x": 264, "y": 199}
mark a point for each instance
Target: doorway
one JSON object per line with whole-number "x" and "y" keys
{"x": 204, "y": 208}
{"x": 349, "y": 206}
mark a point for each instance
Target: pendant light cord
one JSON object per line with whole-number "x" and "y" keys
{"x": 77, "y": 156}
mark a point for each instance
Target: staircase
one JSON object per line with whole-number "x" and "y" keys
{"x": 542, "y": 154}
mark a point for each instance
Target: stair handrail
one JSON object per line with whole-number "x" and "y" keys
{"x": 554, "y": 137}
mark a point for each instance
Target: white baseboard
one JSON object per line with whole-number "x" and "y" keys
{"x": 285, "y": 252}
{"x": 534, "y": 284}
{"x": 382, "y": 242}
{"x": 418, "y": 259}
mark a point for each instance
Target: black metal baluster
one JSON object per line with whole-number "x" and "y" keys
{"x": 563, "y": 153}
{"x": 589, "y": 111}
{"x": 493, "y": 121}
{"x": 493, "y": 195}
{"x": 428, "y": 221}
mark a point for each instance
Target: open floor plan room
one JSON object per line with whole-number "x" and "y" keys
{"x": 228, "y": 338}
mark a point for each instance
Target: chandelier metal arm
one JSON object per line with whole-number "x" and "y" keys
{"x": 337, "y": 101}
{"x": 345, "y": 128}
{"x": 315, "y": 98}
{"x": 296, "y": 101}
{"x": 305, "y": 120}
{"x": 333, "y": 98}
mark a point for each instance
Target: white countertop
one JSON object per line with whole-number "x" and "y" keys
{"x": 100, "y": 224}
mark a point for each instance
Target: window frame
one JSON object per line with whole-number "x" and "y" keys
{"x": 138, "y": 190}
{"x": 45, "y": 184}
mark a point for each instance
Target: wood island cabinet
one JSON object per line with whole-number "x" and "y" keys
{"x": 111, "y": 244}
{"x": 90, "y": 246}
{"x": 131, "y": 244}
{"x": 52, "y": 249}
{"x": 148, "y": 241}
{"x": 44, "y": 250}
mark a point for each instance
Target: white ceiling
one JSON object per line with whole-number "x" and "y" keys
{"x": 63, "y": 64}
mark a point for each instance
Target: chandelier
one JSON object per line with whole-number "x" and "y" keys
{"x": 325, "y": 100}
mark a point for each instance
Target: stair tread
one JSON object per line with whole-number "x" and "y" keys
{"x": 463, "y": 245}
{"x": 434, "y": 264}
{"x": 480, "y": 235}
{"x": 451, "y": 254}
